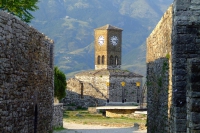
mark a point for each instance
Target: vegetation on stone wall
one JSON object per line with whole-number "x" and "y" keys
{"x": 20, "y": 8}
{"x": 157, "y": 82}
{"x": 59, "y": 84}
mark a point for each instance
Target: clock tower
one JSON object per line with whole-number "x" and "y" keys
{"x": 108, "y": 45}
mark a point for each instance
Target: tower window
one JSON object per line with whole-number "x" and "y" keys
{"x": 116, "y": 60}
{"x": 98, "y": 60}
{"x": 102, "y": 59}
{"x": 111, "y": 60}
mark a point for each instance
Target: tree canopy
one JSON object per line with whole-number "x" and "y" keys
{"x": 59, "y": 84}
{"x": 20, "y": 8}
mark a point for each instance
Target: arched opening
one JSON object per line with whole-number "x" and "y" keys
{"x": 35, "y": 118}
{"x": 111, "y": 60}
{"x": 102, "y": 60}
{"x": 116, "y": 60}
{"x": 98, "y": 60}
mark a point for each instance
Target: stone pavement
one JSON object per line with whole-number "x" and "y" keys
{"x": 79, "y": 128}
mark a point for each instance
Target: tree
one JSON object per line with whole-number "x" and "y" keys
{"x": 20, "y": 8}
{"x": 59, "y": 84}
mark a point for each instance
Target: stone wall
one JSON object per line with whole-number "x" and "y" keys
{"x": 58, "y": 115}
{"x": 26, "y": 81}
{"x": 119, "y": 112}
{"x": 158, "y": 75}
{"x": 193, "y": 96}
{"x": 183, "y": 45}
{"x": 93, "y": 88}
{"x": 91, "y": 97}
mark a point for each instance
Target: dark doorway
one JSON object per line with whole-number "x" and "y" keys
{"x": 81, "y": 90}
{"x": 35, "y": 119}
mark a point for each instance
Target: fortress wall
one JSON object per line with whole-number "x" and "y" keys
{"x": 26, "y": 81}
{"x": 185, "y": 46}
{"x": 158, "y": 75}
{"x": 180, "y": 80}
{"x": 193, "y": 96}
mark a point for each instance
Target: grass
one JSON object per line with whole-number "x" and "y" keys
{"x": 59, "y": 129}
{"x": 84, "y": 117}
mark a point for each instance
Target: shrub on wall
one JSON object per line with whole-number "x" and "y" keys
{"x": 59, "y": 84}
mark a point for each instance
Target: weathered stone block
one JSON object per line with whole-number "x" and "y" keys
{"x": 194, "y": 78}
{"x": 180, "y": 72}
{"x": 179, "y": 128}
{"x": 193, "y": 131}
{"x": 194, "y": 94}
{"x": 195, "y": 105}
{"x": 195, "y": 117}
{"x": 195, "y": 68}
{"x": 193, "y": 126}
{"x": 195, "y": 1}
{"x": 181, "y": 2}
{"x": 194, "y": 7}
{"x": 195, "y": 87}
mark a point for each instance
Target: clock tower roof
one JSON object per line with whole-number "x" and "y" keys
{"x": 108, "y": 27}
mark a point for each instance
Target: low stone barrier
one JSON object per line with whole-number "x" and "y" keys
{"x": 58, "y": 115}
{"x": 93, "y": 110}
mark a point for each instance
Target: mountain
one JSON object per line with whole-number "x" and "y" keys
{"x": 71, "y": 24}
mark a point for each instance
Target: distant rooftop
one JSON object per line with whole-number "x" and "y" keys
{"x": 108, "y": 27}
{"x": 109, "y": 72}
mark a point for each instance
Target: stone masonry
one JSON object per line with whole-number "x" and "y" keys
{"x": 26, "y": 81}
{"x": 91, "y": 88}
{"x": 159, "y": 79}
{"x": 58, "y": 115}
{"x": 172, "y": 72}
{"x": 193, "y": 96}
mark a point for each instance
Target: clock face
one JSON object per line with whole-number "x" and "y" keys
{"x": 101, "y": 40}
{"x": 114, "y": 40}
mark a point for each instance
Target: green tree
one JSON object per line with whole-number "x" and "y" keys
{"x": 20, "y": 8}
{"x": 59, "y": 84}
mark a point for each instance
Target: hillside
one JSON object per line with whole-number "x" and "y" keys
{"x": 71, "y": 24}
